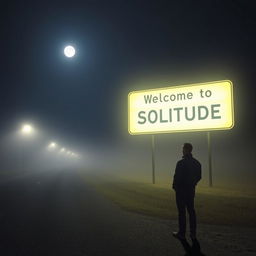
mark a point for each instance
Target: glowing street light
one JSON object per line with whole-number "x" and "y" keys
{"x": 52, "y": 145}
{"x": 69, "y": 153}
{"x": 63, "y": 150}
{"x": 27, "y": 129}
{"x": 69, "y": 51}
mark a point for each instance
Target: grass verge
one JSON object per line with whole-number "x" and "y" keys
{"x": 213, "y": 205}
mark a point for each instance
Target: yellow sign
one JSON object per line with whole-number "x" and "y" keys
{"x": 194, "y": 107}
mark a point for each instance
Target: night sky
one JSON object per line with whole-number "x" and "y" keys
{"x": 86, "y": 97}
{"x": 78, "y": 110}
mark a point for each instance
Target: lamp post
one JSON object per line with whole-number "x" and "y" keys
{"x": 26, "y": 130}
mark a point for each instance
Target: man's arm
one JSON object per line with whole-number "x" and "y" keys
{"x": 177, "y": 176}
{"x": 199, "y": 173}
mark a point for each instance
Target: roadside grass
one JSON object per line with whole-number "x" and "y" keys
{"x": 213, "y": 205}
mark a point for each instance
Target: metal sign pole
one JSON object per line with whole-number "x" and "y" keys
{"x": 153, "y": 158}
{"x": 209, "y": 158}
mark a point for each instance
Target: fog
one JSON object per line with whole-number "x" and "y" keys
{"x": 132, "y": 159}
{"x": 37, "y": 150}
{"x": 129, "y": 157}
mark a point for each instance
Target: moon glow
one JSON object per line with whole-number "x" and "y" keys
{"x": 69, "y": 51}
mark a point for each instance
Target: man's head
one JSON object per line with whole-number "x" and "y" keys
{"x": 187, "y": 148}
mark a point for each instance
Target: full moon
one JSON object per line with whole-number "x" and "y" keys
{"x": 69, "y": 51}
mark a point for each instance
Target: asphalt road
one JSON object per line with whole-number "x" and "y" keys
{"x": 57, "y": 213}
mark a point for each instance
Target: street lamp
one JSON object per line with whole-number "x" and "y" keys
{"x": 52, "y": 145}
{"x": 26, "y": 133}
{"x": 27, "y": 129}
{"x": 63, "y": 150}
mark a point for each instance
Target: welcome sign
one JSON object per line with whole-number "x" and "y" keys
{"x": 194, "y": 107}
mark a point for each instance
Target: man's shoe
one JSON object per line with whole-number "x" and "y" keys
{"x": 178, "y": 236}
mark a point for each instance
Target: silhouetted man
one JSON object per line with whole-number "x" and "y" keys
{"x": 187, "y": 174}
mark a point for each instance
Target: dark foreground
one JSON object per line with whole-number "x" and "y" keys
{"x": 56, "y": 213}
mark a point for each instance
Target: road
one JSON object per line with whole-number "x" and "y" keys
{"x": 58, "y": 213}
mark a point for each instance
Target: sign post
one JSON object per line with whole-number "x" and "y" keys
{"x": 187, "y": 108}
{"x": 153, "y": 158}
{"x": 209, "y": 158}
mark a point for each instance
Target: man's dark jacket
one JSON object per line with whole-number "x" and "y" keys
{"x": 187, "y": 174}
